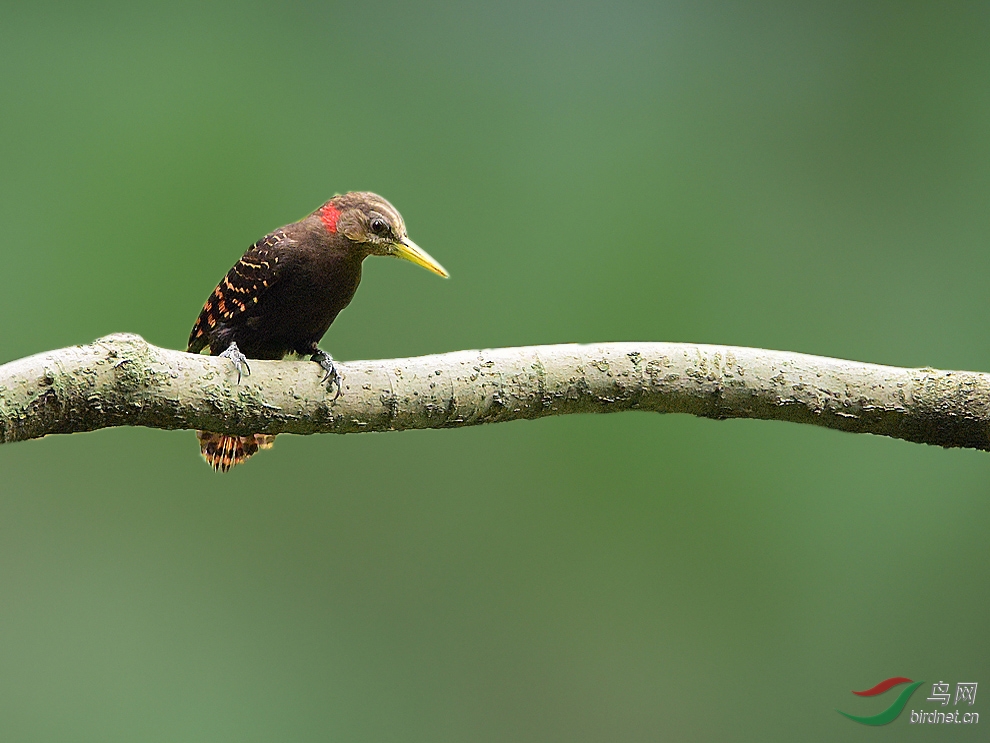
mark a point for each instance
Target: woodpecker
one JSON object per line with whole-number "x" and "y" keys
{"x": 286, "y": 291}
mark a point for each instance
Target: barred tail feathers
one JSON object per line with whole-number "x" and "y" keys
{"x": 222, "y": 452}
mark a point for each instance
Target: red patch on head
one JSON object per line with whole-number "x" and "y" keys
{"x": 329, "y": 214}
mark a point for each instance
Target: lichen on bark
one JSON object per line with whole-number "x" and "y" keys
{"x": 123, "y": 380}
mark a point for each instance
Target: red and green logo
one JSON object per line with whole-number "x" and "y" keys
{"x": 890, "y": 714}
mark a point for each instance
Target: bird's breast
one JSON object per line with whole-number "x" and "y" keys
{"x": 311, "y": 290}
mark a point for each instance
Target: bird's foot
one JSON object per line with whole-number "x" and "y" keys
{"x": 325, "y": 361}
{"x": 238, "y": 359}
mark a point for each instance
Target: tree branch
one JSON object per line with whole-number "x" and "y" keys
{"x": 121, "y": 380}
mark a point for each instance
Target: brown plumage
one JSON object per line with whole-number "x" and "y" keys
{"x": 287, "y": 289}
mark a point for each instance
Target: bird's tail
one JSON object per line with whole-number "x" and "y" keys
{"x": 222, "y": 452}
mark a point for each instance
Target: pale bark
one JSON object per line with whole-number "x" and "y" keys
{"x": 121, "y": 380}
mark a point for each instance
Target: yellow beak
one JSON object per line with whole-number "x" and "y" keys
{"x": 410, "y": 251}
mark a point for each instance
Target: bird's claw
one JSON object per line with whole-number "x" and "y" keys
{"x": 332, "y": 375}
{"x": 238, "y": 359}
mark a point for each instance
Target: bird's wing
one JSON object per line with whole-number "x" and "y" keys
{"x": 251, "y": 276}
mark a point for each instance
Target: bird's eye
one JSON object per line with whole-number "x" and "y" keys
{"x": 379, "y": 227}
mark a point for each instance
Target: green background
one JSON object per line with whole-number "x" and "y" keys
{"x": 808, "y": 177}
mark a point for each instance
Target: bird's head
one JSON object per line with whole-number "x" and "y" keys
{"x": 375, "y": 227}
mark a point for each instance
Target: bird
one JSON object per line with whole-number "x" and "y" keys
{"x": 284, "y": 293}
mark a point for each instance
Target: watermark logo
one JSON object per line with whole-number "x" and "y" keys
{"x": 890, "y": 714}
{"x": 965, "y": 693}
